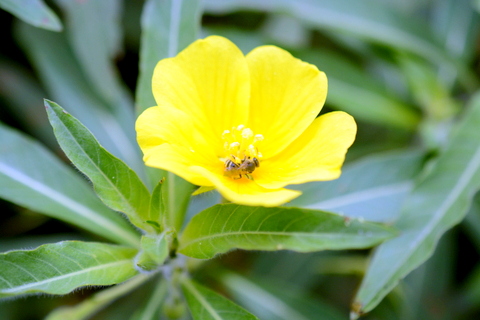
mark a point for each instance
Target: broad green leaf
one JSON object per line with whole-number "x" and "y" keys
{"x": 116, "y": 184}
{"x": 436, "y": 204}
{"x": 168, "y": 26}
{"x": 274, "y": 301}
{"x": 32, "y": 177}
{"x": 154, "y": 251}
{"x": 229, "y": 226}
{"x": 372, "y": 188}
{"x": 62, "y": 267}
{"x": 97, "y": 301}
{"x": 66, "y": 82}
{"x": 34, "y": 12}
{"x": 352, "y": 89}
{"x": 206, "y": 304}
{"x": 369, "y": 20}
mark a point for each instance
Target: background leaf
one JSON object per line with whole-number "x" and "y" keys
{"x": 96, "y": 44}
{"x": 34, "y": 12}
{"x": 372, "y": 188}
{"x": 352, "y": 90}
{"x": 116, "y": 184}
{"x": 32, "y": 177}
{"x": 229, "y": 226}
{"x": 62, "y": 267}
{"x": 98, "y": 301}
{"x": 206, "y": 304}
{"x": 65, "y": 80}
{"x": 437, "y": 203}
{"x": 168, "y": 26}
{"x": 368, "y": 20}
{"x": 277, "y": 301}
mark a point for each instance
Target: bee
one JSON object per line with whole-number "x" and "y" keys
{"x": 244, "y": 168}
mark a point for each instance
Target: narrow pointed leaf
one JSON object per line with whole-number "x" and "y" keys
{"x": 32, "y": 177}
{"x": 372, "y": 188}
{"x": 229, "y": 226}
{"x": 96, "y": 302}
{"x": 206, "y": 304}
{"x": 34, "y": 12}
{"x": 116, "y": 184}
{"x": 156, "y": 212}
{"x": 436, "y": 204}
{"x": 62, "y": 267}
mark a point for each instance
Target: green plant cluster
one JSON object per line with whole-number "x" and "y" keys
{"x": 404, "y": 69}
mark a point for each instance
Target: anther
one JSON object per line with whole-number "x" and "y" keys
{"x": 247, "y": 133}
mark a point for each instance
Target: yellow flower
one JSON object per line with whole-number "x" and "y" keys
{"x": 245, "y": 125}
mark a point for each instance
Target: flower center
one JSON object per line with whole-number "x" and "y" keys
{"x": 241, "y": 152}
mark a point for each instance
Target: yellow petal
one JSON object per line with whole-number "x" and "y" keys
{"x": 286, "y": 96}
{"x": 209, "y": 80}
{"x": 169, "y": 141}
{"x": 247, "y": 192}
{"x": 174, "y": 159}
{"x": 317, "y": 155}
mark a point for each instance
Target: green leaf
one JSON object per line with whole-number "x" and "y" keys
{"x": 369, "y": 20}
{"x": 176, "y": 196}
{"x": 64, "y": 80}
{"x": 116, "y": 184}
{"x": 355, "y": 91}
{"x": 372, "y": 188}
{"x": 277, "y": 301}
{"x": 32, "y": 177}
{"x": 34, "y": 12}
{"x": 15, "y": 80}
{"x": 97, "y": 301}
{"x": 62, "y": 267}
{"x": 456, "y": 25}
{"x": 168, "y": 26}
{"x": 228, "y": 226}
{"x": 96, "y": 44}
{"x": 156, "y": 213}
{"x": 154, "y": 251}
{"x": 206, "y": 304}
{"x": 437, "y": 203}
{"x": 150, "y": 310}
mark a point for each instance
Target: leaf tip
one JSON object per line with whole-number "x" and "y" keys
{"x": 356, "y": 311}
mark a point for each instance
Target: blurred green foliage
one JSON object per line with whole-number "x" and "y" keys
{"x": 406, "y": 70}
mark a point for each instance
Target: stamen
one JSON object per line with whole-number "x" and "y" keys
{"x": 258, "y": 137}
{"x": 241, "y": 156}
{"x": 247, "y": 133}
